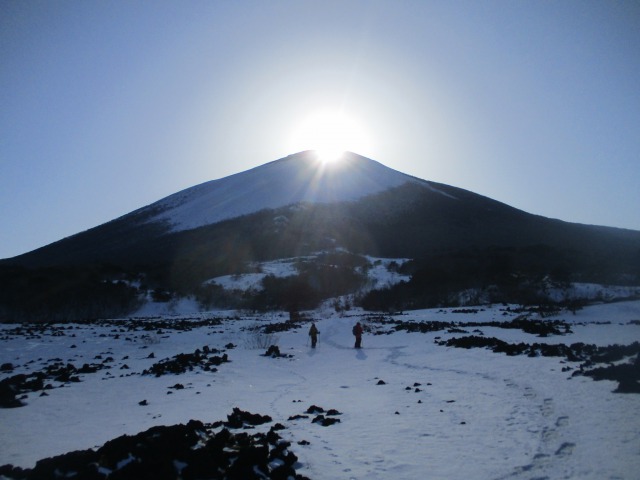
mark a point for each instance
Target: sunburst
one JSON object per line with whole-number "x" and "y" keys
{"x": 329, "y": 134}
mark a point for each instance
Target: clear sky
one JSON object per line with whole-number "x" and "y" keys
{"x": 106, "y": 107}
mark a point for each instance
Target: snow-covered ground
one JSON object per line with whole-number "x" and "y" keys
{"x": 442, "y": 413}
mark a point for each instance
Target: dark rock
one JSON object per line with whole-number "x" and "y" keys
{"x": 184, "y": 362}
{"x": 297, "y": 417}
{"x": 273, "y": 351}
{"x": 6, "y": 367}
{"x": 167, "y": 452}
{"x": 240, "y": 419}
{"x": 324, "y": 421}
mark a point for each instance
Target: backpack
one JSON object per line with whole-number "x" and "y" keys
{"x": 354, "y": 330}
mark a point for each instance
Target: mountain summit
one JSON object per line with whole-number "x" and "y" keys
{"x": 300, "y": 177}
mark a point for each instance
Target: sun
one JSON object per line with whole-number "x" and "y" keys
{"x": 329, "y": 134}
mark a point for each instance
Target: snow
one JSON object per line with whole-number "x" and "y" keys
{"x": 592, "y": 291}
{"x": 288, "y": 181}
{"x": 382, "y": 276}
{"x": 253, "y": 281}
{"x": 379, "y": 273}
{"x": 477, "y": 414}
{"x": 176, "y": 306}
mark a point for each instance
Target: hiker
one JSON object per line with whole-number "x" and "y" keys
{"x": 313, "y": 333}
{"x": 357, "y": 331}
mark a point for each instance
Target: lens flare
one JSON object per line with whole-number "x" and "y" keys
{"x": 330, "y": 134}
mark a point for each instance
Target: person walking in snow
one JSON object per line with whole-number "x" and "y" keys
{"x": 313, "y": 333}
{"x": 357, "y": 331}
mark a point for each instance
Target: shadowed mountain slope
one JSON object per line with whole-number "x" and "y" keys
{"x": 296, "y": 206}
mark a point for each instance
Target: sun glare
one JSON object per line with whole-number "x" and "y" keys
{"x": 329, "y": 134}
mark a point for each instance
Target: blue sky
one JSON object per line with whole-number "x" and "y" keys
{"x": 106, "y": 107}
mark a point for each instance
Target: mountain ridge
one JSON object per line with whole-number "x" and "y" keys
{"x": 300, "y": 177}
{"x": 435, "y": 214}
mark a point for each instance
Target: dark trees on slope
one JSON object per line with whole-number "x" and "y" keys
{"x": 63, "y": 294}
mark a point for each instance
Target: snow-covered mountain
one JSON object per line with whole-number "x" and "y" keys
{"x": 298, "y": 206}
{"x": 297, "y": 178}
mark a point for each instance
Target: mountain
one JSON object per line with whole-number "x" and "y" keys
{"x": 156, "y": 232}
{"x": 357, "y": 203}
{"x": 297, "y": 205}
{"x": 294, "y": 179}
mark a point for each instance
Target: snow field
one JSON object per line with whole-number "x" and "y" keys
{"x": 475, "y": 413}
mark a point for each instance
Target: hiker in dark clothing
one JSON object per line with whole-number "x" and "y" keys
{"x": 357, "y": 331}
{"x": 313, "y": 333}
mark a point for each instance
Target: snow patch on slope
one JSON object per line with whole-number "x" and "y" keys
{"x": 381, "y": 273}
{"x": 252, "y": 281}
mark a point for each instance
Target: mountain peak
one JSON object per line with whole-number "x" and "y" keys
{"x": 300, "y": 177}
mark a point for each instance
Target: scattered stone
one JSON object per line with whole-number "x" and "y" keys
{"x": 273, "y": 351}
{"x": 6, "y": 367}
{"x": 297, "y": 417}
{"x": 542, "y": 328}
{"x": 143, "y": 403}
{"x": 324, "y": 421}
{"x": 184, "y": 362}
{"x": 242, "y": 419}
{"x": 193, "y": 450}
{"x": 381, "y": 382}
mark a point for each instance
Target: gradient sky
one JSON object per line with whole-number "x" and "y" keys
{"x": 106, "y": 107}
